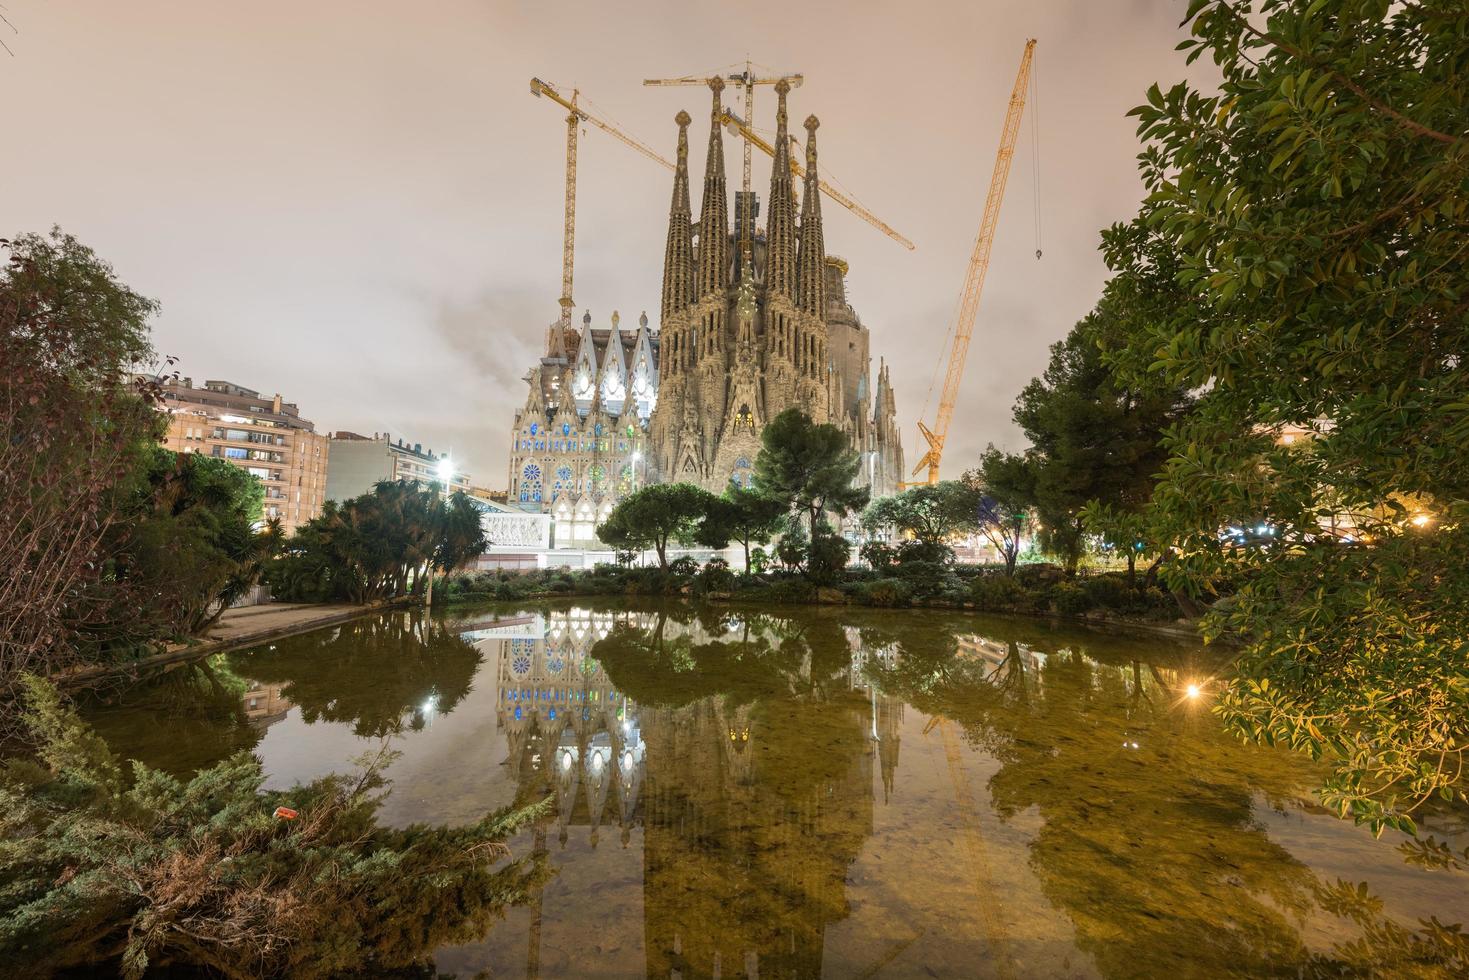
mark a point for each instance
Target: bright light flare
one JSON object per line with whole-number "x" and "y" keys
{"x": 1192, "y": 691}
{"x": 445, "y": 467}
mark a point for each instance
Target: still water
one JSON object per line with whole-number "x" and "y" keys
{"x": 847, "y": 793}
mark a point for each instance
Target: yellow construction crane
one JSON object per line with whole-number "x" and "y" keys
{"x": 746, "y": 80}
{"x": 737, "y": 126}
{"x": 576, "y": 115}
{"x": 979, "y": 263}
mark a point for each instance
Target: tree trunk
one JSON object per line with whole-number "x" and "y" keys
{"x": 1131, "y": 568}
{"x": 660, "y": 544}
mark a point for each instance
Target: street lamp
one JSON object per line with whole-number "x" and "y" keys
{"x": 445, "y": 470}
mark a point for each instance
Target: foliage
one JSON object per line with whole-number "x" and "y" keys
{"x": 808, "y": 468}
{"x": 828, "y": 555}
{"x": 655, "y": 515}
{"x": 1093, "y": 436}
{"x": 1300, "y": 262}
{"x": 1070, "y": 599}
{"x": 74, "y": 430}
{"x": 190, "y": 543}
{"x": 151, "y": 871}
{"x": 715, "y": 576}
{"x": 884, "y": 592}
{"x": 1006, "y": 483}
{"x": 379, "y": 545}
{"x": 794, "y": 544}
{"x": 1125, "y": 532}
{"x": 931, "y": 513}
{"x": 879, "y": 555}
{"x": 741, "y": 515}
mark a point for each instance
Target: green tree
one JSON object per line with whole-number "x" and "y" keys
{"x": 191, "y": 542}
{"x": 1006, "y": 485}
{"x": 1313, "y": 215}
{"x": 741, "y": 515}
{"x": 1094, "y": 436}
{"x": 655, "y": 515}
{"x": 379, "y": 545}
{"x": 931, "y": 513}
{"x": 75, "y": 428}
{"x": 808, "y": 468}
{"x": 143, "y": 870}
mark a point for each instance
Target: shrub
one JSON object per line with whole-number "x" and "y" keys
{"x": 1109, "y": 592}
{"x": 884, "y": 592}
{"x": 1001, "y": 593}
{"x": 715, "y": 576}
{"x": 686, "y": 565}
{"x": 789, "y": 590}
{"x": 103, "y": 864}
{"x": 879, "y": 557}
{"x": 924, "y": 578}
{"x": 1069, "y": 599}
{"x": 829, "y": 554}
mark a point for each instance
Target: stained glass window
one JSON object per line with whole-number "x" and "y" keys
{"x": 534, "y": 428}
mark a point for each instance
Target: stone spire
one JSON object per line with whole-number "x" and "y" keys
{"x": 780, "y": 225}
{"x": 678, "y": 258}
{"x": 811, "y": 262}
{"x": 714, "y": 211}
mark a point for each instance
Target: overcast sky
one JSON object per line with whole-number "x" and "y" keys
{"x": 358, "y": 204}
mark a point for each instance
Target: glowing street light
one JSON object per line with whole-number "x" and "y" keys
{"x": 1192, "y": 691}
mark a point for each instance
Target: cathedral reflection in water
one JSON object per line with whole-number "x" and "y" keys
{"x": 740, "y": 795}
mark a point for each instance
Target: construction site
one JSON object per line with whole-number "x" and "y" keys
{"x": 754, "y": 319}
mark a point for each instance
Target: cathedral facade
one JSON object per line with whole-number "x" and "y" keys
{"x": 754, "y": 321}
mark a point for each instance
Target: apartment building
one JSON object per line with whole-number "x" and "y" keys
{"x": 360, "y": 461}
{"x": 266, "y": 437}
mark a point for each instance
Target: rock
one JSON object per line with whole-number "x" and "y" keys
{"x": 829, "y": 596}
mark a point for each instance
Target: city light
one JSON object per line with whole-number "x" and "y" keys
{"x": 1192, "y": 691}
{"x": 445, "y": 467}
{"x": 1421, "y": 520}
{"x": 637, "y": 457}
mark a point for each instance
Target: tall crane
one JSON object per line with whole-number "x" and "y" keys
{"x": 577, "y": 114}
{"x": 746, "y": 80}
{"x": 737, "y": 125}
{"x": 979, "y": 263}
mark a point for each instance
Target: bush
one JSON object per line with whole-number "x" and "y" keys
{"x": 1109, "y": 592}
{"x": 829, "y": 554}
{"x": 103, "y": 864}
{"x": 1001, "y": 593}
{"x": 884, "y": 592}
{"x": 1069, "y": 599}
{"x": 879, "y": 557}
{"x": 924, "y": 578}
{"x": 686, "y": 565}
{"x": 789, "y": 590}
{"x": 715, "y": 576}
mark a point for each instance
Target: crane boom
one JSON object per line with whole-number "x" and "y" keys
{"x": 568, "y": 228}
{"x": 538, "y": 87}
{"x": 979, "y": 263}
{"x": 737, "y": 125}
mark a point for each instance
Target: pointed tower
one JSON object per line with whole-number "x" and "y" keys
{"x": 780, "y": 224}
{"x": 811, "y": 263}
{"x": 678, "y": 257}
{"x": 812, "y": 388}
{"x": 714, "y": 210}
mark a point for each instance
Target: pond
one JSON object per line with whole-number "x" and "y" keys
{"x": 746, "y": 791}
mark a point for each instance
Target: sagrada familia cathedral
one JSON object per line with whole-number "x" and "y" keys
{"x": 754, "y": 321}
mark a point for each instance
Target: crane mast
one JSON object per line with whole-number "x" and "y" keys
{"x": 979, "y": 263}
{"x": 575, "y": 115}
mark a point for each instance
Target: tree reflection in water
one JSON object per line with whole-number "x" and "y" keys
{"x": 381, "y": 675}
{"x": 1150, "y": 839}
{"x": 750, "y": 749}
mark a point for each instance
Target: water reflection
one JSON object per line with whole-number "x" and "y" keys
{"x": 843, "y": 792}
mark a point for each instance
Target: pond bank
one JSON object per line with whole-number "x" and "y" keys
{"x": 244, "y": 626}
